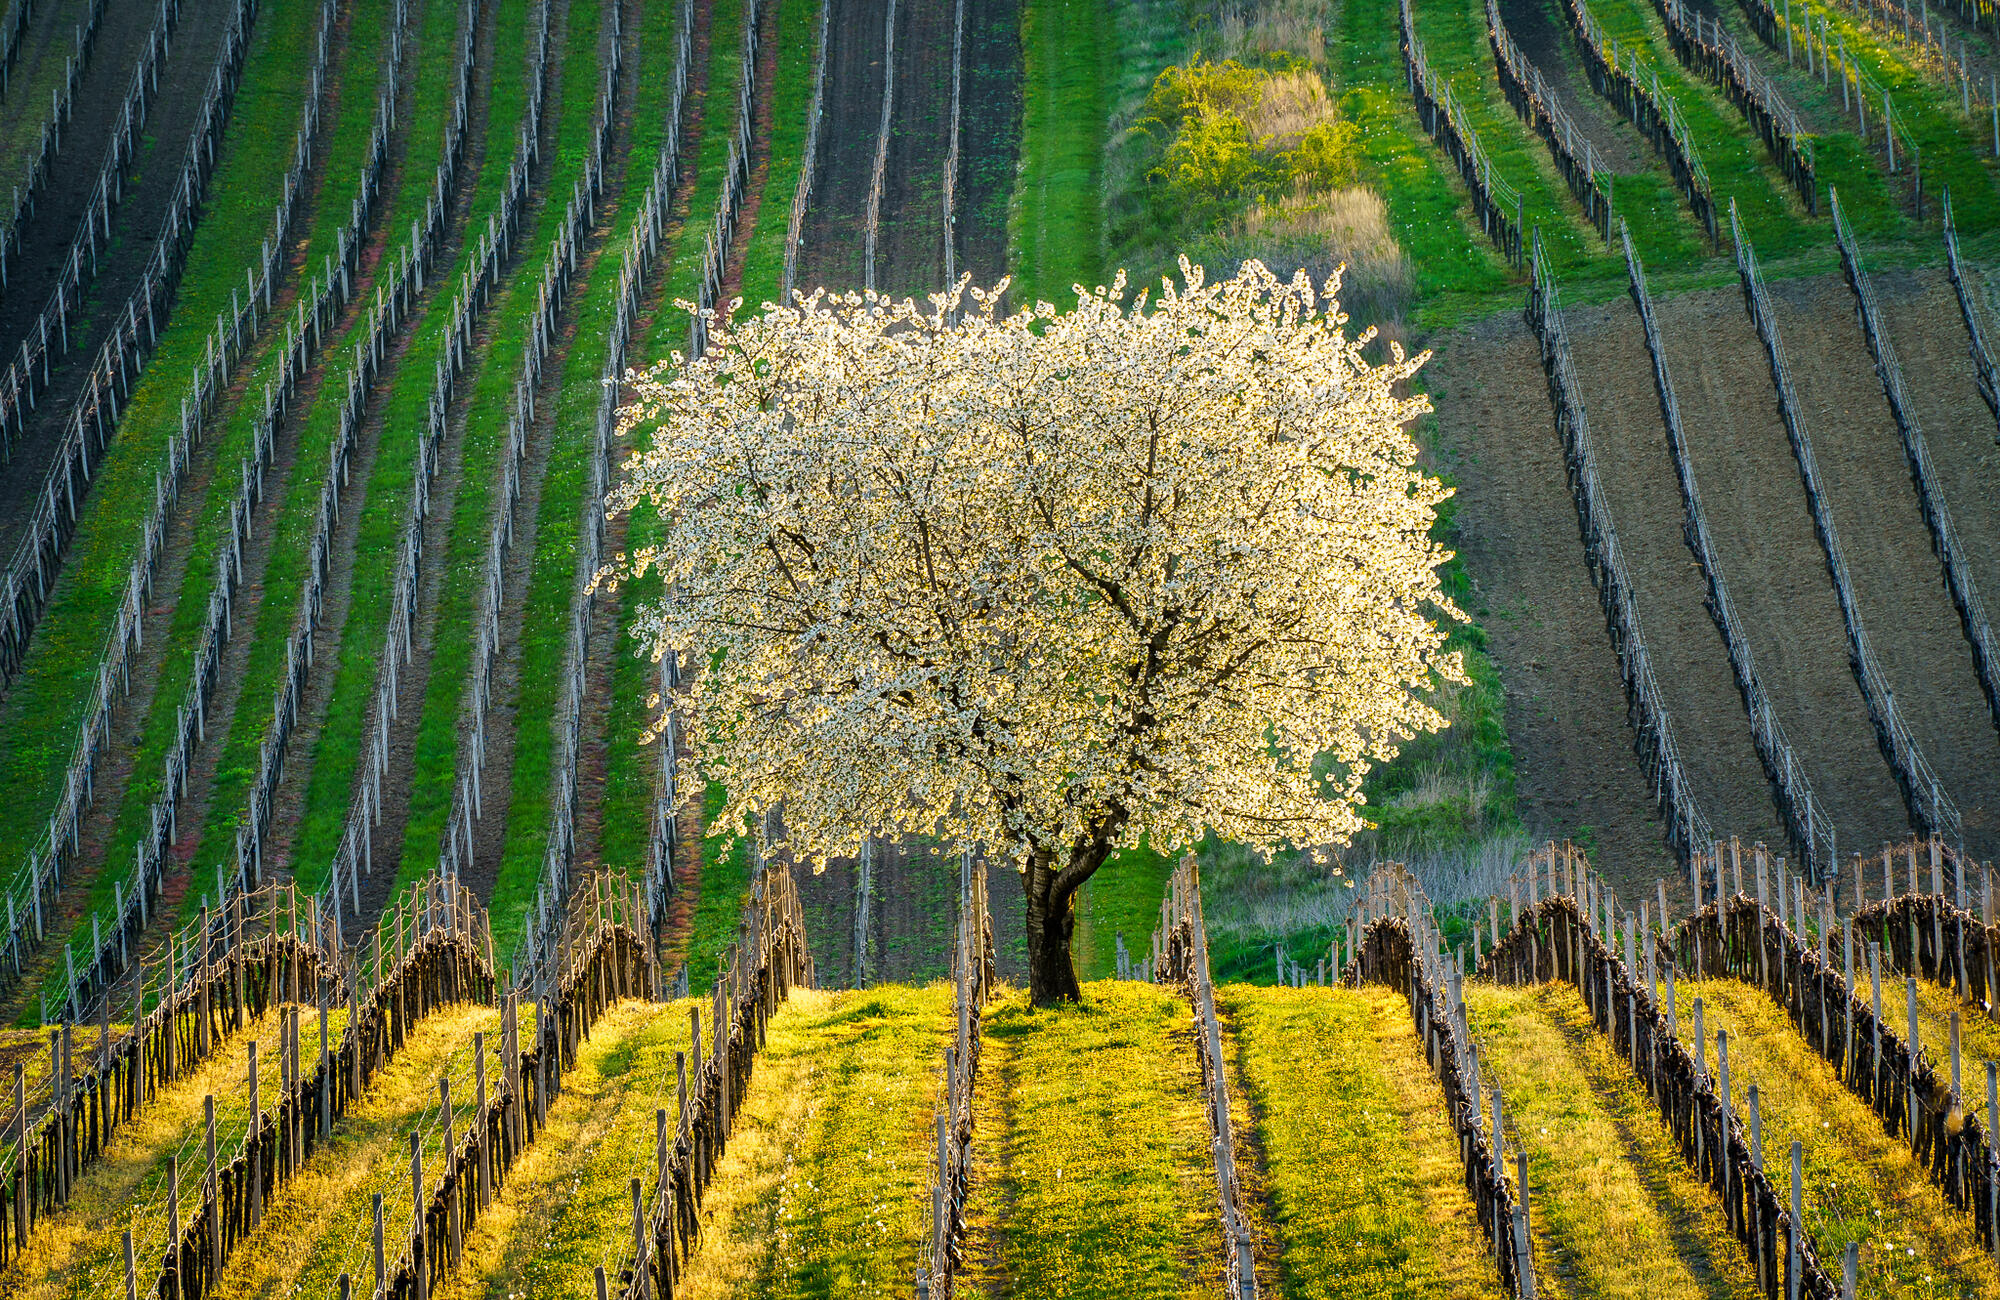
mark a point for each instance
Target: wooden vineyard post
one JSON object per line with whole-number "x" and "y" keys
{"x": 21, "y": 1193}
{"x": 1875, "y": 996}
{"x": 444, "y": 1104}
{"x": 1799, "y": 1221}
{"x": 417, "y": 1259}
{"x": 256, "y": 1146}
{"x": 1847, "y": 1001}
{"x": 214, "y": 1185}
{"x": 1992, "y": 1176}
{"x": 1957, "y": 1077}
{"x": 131, "y": 1270}
{"x": 1722, "y": 1092}
{"x": 661, "y": 1149}
{"x": 381, "y": 1265}
{"x": 479, "y": 1113}
{"x": 1910, "y": 1089}
{"x": 1524, "y": 1259}
{"x": 325, "y": 1075}
{"x": 1756, "y": 1131}
{"x": 174, "y": 1214}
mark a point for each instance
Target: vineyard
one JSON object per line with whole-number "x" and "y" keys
{"x": 364, "y": 935}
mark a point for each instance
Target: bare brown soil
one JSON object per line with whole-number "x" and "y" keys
{"x": 135, "y": 224}
{"x": 910, "y": 247}
{"x": 1776, "y": 572}
{"x": 830, "y": 244}
{"x": 989, "y": 136}
{"x": 1575, "y": 771}
{"x": 1929, "y": 335}
{"x": 1541, "y": 29}
{"x": 1898, "y": 582}
{"x": 1691, "y": 662}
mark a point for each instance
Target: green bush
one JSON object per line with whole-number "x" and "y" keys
{"x": 1225, "y": 134}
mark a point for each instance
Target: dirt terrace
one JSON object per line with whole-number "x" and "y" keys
{"x": 135, "y": 223}
{"x": 830, "y": 251}
{"x": 1565, "y": 711}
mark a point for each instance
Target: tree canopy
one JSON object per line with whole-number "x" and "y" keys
{"x": 1051, "y": 581}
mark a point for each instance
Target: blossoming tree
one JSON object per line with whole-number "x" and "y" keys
{"x": 1048, "y": 582}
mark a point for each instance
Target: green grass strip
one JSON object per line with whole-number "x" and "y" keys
{"x": 1615, "y": 1209}
{"x": 552, "y": 588}
{"x": 1055, "y": 225}
{"x": 29, "y": 87}
{"x": 286, "y": 572}
{"x": 1861, "y": 1184}
{"x": 1455, "y": 263}
{"x": 725, "y": 883}
{"x": 1122, "y": 898}
{"x": 1955, "y": 152}
{"x": 1360, "y": 1161}
{"x": 1842, "y": 161}
{"x": 823, "y": 1191}
{"x": 336, "y": 755}
{"x": 709, "y": 155}
{"x": 1098, "y": 1181}
{"x": 1454, "y": 36}
{"x": 1738, "y": 165}
{"x": 39, "y": 720}
{"x": 566, "y": 1207}
{"x": 1663, "y": 227}
{"x": 764, "y": 255}
{"x": 489, "y": 387}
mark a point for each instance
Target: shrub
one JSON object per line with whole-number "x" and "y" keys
{"x": 1210, "y": 160}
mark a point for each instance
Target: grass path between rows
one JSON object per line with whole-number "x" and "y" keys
{"x": 1091, "y": 1169}
{"x": 566, "y": 1206}
{"x": 1615, "y": 1210}
{"x": 1860, "y": 1184}
{"x": 824, "y": 1190}
{"x": 1055, "y": 225}
{"x": 1360, "y": 1163}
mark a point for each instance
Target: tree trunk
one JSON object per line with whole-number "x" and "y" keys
{"x": 1051, "y": 921}
{"x": 1051, "y": 885}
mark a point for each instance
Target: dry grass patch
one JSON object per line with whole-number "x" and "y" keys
{"x": 318, "y": 1225}
{"x": 80, "y": 1250}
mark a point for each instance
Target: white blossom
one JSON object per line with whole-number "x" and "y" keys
{"x": 1043, "y": 580}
